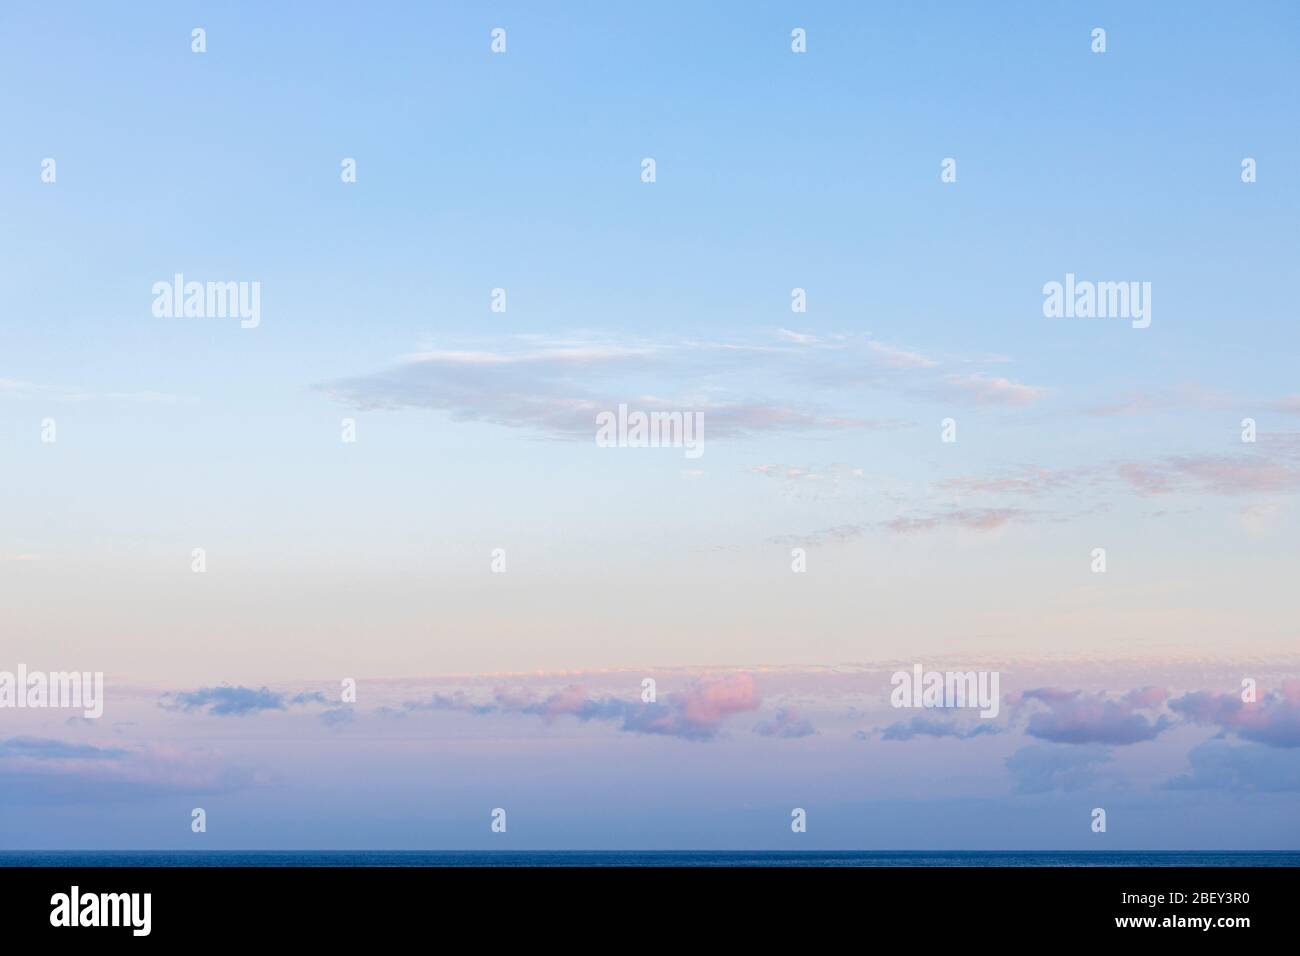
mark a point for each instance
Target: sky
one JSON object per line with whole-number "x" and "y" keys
{"x": 496, "y": 583}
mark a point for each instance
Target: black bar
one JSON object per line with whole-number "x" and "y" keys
{"x": 330, "y": 904}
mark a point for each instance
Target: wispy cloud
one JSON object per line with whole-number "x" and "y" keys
{"x": 1213, "y": 474}
{"x": 891, "y": 356}
{"x": 1289, "y": 405}
{"x": 44, "y": 748}
{"x": 977, "y": 389}
{"x": 798, "y": 338}
{"x": 560, "y": 391}
{"x": 970, "y": 519}
{"x": 13, "y": 388}
{"x": 839, "y": 534}
{"x": 1027, "y": 482}
{"x": 1173, "y": 399}
{"x": 802, "y": 382}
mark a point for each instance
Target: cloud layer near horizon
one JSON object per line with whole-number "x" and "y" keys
{"x": 696, "y": 712}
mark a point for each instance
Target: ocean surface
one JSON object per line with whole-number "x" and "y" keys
{"x": 586, "y": 858}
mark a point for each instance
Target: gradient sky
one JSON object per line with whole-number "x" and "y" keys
{"x": 371, "y": 560}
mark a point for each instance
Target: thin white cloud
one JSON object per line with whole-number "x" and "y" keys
{"x": 892, "y": 357}
{"x": 985, "y": 390}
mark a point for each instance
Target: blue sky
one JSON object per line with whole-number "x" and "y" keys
{"x": 775, "y": 171}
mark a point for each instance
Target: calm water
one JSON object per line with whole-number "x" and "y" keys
{"x": 643, "y": 858}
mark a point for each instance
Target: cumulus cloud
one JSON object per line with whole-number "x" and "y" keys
{"x": 1273, "y": 720}
{"x": 1220, "y": 765}
{"x": 1075, "y": 717}
{"x": 337, "y": 716}
{"x": 227, "y": 701}
{"x": 1039, "y": 769}
{"x": 787, "y": 722}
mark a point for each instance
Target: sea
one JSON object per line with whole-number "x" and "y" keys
{"x": 638, "y": 858}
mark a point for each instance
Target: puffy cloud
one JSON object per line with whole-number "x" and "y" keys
{"x": 1219, "y": 765}
{"x": 1273, "y": 720}
{"x": 1039, "y": 769}
{"x": 337, "y": 716}
{"x": 1074, "y": 717}
{"x": 787, "y": 722}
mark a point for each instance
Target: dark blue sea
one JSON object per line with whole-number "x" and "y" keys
{"x": 391, "y": 858}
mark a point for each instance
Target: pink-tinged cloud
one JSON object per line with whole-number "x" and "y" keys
{"x": 1146, "y": 479}
{"x": 1274, "y": 719}
{"x": 1290, "y": 404}
{"x": 1174, "y": 399}
{"x": 707, "y": 702}
{"x": 1265, "y": 471}
{"x": 985, "y": 390}
{"x": 1073, "y": 717}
